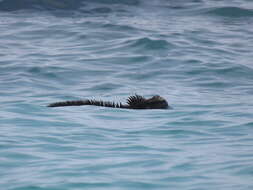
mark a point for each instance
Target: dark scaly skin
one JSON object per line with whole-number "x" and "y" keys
{"x": 133, "y": 102}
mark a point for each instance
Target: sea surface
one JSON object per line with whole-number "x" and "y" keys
{"x": 197, "y": 54}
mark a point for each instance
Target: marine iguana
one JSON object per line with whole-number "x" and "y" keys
{"x": 133, "y": 102}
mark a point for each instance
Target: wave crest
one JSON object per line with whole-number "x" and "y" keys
{"x": 231, "y": 12}
{"x": 150, "y": 43}
{"x": 15, "y": 5}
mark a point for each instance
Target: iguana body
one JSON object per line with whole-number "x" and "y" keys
{"x": 133, "y": 102}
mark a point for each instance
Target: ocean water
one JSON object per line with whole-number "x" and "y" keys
{"x": 198, "y": 54}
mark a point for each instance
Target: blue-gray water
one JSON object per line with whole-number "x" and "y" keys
{"x": 198, "y": 54}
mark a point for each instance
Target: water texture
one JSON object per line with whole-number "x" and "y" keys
{"x": 195, "y": 53}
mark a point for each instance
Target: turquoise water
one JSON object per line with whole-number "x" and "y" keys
{"x": 195, "y": 53}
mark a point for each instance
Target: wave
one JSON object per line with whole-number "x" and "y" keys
{"x": 15, "y": 5}
{"x": 230, "y": 12}
{"x": 152, "y": 44}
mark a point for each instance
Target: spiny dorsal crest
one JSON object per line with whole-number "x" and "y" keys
{"x": 135, "y": 100}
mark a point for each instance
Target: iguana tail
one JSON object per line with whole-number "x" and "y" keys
{"x": 88, "y": 102}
